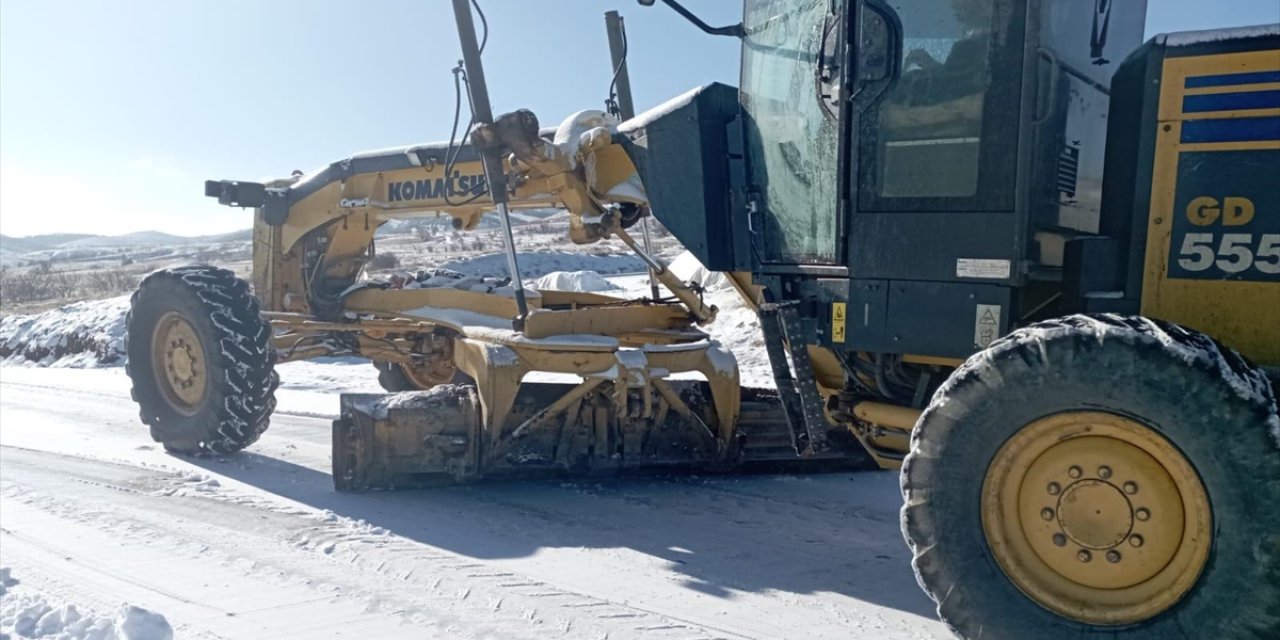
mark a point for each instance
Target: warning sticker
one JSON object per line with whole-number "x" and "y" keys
{"x": 986, "y": 326}
{"x": 982, "y": 268}
{"x": 837, "y": 321}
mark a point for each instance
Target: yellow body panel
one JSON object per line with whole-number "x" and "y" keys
{"x": 1243, "y": 313}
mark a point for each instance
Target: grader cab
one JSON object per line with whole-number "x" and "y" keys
{"x": 1003, "y": 246}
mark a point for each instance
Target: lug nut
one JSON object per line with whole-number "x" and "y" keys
{"x": 1142, "y": 514}
{"x": 1104, "y": 472}
{"x": 1054, "y": 489}
{"x": 1113, "y": 556}
{"x": 1135, "y": 541}
{"x": 1130, "y": 487}
{"x": 1084, "y": 555}
{"x": 1059, "y": 539}
{"x": 1046, "y": 513}
{"x": 1075, "y": 472}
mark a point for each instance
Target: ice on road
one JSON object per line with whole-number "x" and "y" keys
{"x": 95, "y": 515}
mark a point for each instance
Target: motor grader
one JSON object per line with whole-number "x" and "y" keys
{"x": 1004, "y": 246}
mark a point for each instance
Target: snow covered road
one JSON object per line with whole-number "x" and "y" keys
{"x": 258, "y": 545}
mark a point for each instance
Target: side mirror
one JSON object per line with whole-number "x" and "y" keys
{"x": 734, "y": 30}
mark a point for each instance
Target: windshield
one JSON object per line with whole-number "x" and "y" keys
{"x": 791, "y": 139}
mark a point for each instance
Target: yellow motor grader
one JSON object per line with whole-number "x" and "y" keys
{"x": 203, "y": 344}
{"x": 1004, "y": 246}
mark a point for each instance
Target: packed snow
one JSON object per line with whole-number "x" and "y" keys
{"x": 258, "y": 544}
{"x": 25, "y": 613}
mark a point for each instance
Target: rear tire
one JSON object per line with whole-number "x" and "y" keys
{"x": 200, "y": 360}
{"x": 1216, "y": 410}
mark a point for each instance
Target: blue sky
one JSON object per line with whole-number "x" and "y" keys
{"x": 113, "y": 113}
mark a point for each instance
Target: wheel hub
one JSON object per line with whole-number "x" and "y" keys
{"x": 1094, "y": 514}
{"x": 178, "y": 361}
{"x": 1096, "y": 517}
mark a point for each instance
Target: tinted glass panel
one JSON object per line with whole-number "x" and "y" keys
{"x": 944, "y": 136}
{"x": 791, "y": 137}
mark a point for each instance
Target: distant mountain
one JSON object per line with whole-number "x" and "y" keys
{"x": 243, "y": 235}
{"x": 18, "y": 245}
{"x": 137, "y": 239}
{"x": 14, "y": 248}
{"x": 70, "y": 241}
{"x": 27, "y": 244}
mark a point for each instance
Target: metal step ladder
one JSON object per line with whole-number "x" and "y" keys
{"x": 794, "y": 376}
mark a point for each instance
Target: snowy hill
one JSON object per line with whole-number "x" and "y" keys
{"x": 137, "y": 239}
{"x": 27, "y": 244}
{"x": 65, "y": 241}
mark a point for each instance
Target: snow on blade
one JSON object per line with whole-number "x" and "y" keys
{"x": 434, "y": 398}
{"x": 82, "y": 334}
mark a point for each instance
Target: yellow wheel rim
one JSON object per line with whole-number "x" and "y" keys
{"x": 1096, "y": 517}
{"x": 430, "y": 375}
{"x": 179, "y": 363}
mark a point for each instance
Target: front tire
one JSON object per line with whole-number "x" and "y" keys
{"x": 201, "y": 361}
{"x": 1094, "y": 475}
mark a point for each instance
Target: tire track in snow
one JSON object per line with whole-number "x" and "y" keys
{"x": 809, "y": 557}
{"x": 325, "y": 557}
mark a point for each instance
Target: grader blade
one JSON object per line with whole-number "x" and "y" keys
{"x": 437, "y": 436}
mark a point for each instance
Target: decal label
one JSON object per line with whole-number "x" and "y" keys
{"x": 983, "y": 268}
{"x": 436, "y": 189}
{"x": 986, "y": 325}
{"x": 837, "y": 322}
{"x": 1226, "y": 217}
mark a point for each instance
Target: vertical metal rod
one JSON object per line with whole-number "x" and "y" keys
{"x": 653, "y": 278}
{"x": 626, "y": 109}
{"x": 618, "y": 53}
{"x": 482, "y": 113}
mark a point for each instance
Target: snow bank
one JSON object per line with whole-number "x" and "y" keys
{"x": 82, "y": 334}
{"x": 535, "y": 264}
{"x": 31, "y": 615}
{"x": 590, "y": 281}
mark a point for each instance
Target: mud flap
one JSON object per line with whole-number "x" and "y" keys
{"x": 406, "y": 440}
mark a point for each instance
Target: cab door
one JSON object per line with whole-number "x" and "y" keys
{"x": 932, "y": 167}
{"x": 790, "y": 81}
